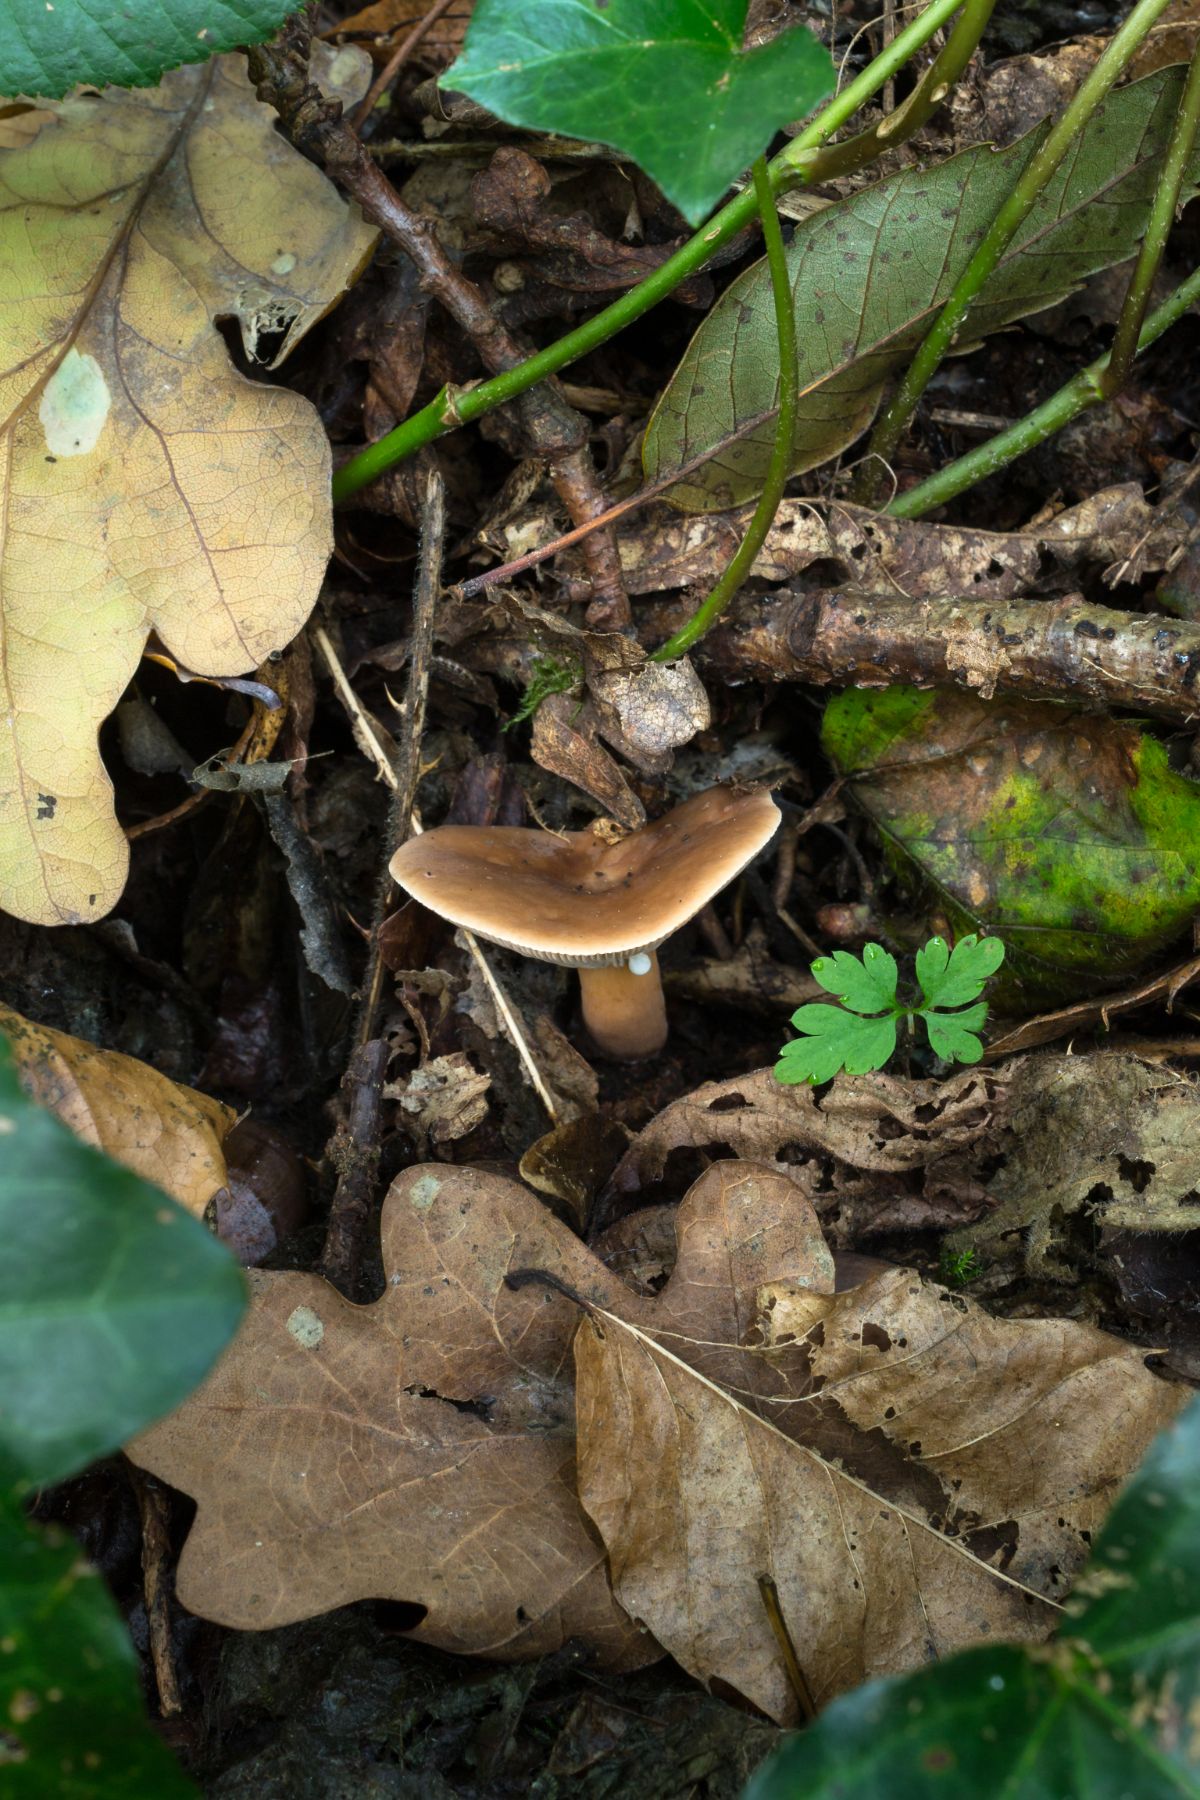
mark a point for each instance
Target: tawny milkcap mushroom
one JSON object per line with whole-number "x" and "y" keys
{"x": 603, "y": 909}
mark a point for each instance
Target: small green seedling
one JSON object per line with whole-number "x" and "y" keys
{"x": 958, "y": 1268}
{"x": 547, "y": 676}
{"x": 860, "y": 1034}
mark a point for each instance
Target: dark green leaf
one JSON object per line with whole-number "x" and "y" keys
{"x": 952, "y": 1036}
{"x": 834, "y": 1040}
{"x": 1066, "y": 834}
{"x": 869, "y": 273}
{"x": 666, "y": 81}
{"x": 952, "y": 978}
{"x": 866, "y": 986}
{"x": 114, "y": 1304}
{"x": 71, "y": 1720}
{"x": 1106, "y": 1712}
{"x": 48, "y": 50}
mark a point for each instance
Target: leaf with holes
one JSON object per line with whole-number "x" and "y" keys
{"x": 146, "y": 484}
{"x": 1106, "y": 1710}
{"x": 869, "y": 274}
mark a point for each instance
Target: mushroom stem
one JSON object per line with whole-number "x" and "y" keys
{"x": 625, "y": 1013}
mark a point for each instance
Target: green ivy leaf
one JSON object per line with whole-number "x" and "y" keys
{"x": 48, "y": 50}
{"x": 114, "y": 1304}
{"x": 1104, "y": 1710}
{"x": 72, "y": 1721}
{"x": 953, "y": 978}
{"x": 952, "y": 1035}
{"x": 665, "y": 81}
{"x": 865, "y": 986}
{"x": 833, "y": 1040}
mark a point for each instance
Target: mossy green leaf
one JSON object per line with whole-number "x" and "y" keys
{"x": 1068, "y": 835}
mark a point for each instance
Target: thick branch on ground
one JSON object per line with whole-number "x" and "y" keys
{"x": 553, "y": 428}
{"x": 1042, "y": 649}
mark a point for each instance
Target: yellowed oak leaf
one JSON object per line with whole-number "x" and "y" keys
{"x": 145, "y": 483}
{"x": 168, "y": 1134}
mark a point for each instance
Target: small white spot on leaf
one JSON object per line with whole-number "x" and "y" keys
{"x": 425, "y": 1191}
{"x": 306, "y": 1327}
{"x": 75, "y": 405}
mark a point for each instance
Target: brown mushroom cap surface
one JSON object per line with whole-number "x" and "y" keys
{"x": 574, "y": 899}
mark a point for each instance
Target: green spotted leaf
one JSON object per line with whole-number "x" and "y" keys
{"x": 71, "y": 1720}
{"x": 48, "y": 50}
{"x": 1068, "y": 835}
{"x": 869, "y": 275}
{"x": 666, "y": 81}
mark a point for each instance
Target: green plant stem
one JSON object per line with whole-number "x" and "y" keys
{"x": 779, "y": 467}
{"x": 798, "y": 164}
{"x": 1085, "y": 390}
{"x": 857, "y": 152}
{"x": 1162, "y": 217}
{"x": 1004, "y": 227}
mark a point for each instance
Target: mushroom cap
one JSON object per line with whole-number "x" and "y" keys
{"x": 573, "y": 898}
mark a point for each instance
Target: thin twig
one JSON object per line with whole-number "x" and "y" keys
{"x": 553, "y": 429}
{"x": 388, "y": 774}
{"x": 1041, "y": 649}
{"x": 782, "y": 450}
{"x": 397, "y": 61}
{"x": 157, "y": 1559}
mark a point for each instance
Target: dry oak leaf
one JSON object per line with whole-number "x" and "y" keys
{"x": 911, "y": 1473}
{"x": 870, "y": 1122}
{"x": 145, "y": 484}
{"x": 422, "y": 1448}
{"x": 166, "y": 1133}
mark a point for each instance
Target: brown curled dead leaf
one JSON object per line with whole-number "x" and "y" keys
{"x": 914, "y": 1474}
{"x": 166, "y": 1133}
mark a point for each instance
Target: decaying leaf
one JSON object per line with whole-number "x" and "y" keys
{"x": 1089, "y": 1144}
{"x": 1067, "y": 834}
{"x": 563, "y": 741}
{"x": 168, "y": 1134}
{"x": 149, "y": 485}
{"x": 419, "y": 1449}
{"x": 444, "y": 1099}
{"x": 422, "y": 1448}
{"x": 869, "y": 273}
{"x": 876, "y": 1126}
{"x": 389, "y": 20}
{"x": 910, "y": 1472}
